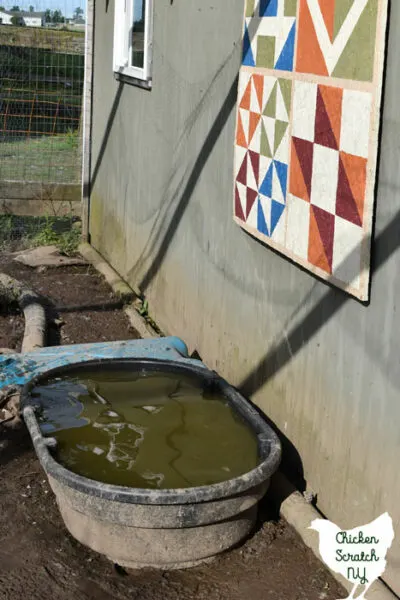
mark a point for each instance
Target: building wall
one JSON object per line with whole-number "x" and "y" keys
{"x": 33, "y": 21}
{"x": 5, "y": 19}
{"x": 323, "y": 367}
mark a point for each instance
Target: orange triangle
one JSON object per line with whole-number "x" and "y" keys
{"x": 328, "y": 13}
{"x": 309, "y": 54}
{"x": 316, "y": 252}
{"x": 245, "y": 102}
{"x": 254, "y": 120}
{"x": 333, "y": 98}
{"x": 240, "y": 136}
{"x": 297, "y": 184}
{"x": 356, "y": 171}
{"x": 259, "y": 87}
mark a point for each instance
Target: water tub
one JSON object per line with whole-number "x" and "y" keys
{"x": 168, "y": 528}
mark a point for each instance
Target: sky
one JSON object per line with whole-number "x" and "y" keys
{"x": 67, "y": 7}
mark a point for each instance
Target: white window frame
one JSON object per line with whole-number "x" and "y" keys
{"x": 123, "y": 20}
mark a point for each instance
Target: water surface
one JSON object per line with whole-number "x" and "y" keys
{"x": 147, "y": 430}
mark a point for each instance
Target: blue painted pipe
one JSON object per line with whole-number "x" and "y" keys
{"x": 19, "y": 369}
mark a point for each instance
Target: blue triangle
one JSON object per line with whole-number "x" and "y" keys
{"x": 248, "y": 58}
{"x": 266, "y": 186}
{"x": 261, "y": 224}
{"x": 268, "y": 8}
{"x": 276, "y": 212}
{"x": 282, "y": 171}
{"x": 285, "y": 61}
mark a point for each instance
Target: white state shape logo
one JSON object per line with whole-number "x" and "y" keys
{"x": 358, "y": 554}
{"x": 332, "y": 51}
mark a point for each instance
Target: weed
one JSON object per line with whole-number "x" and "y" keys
{"x": 72, "y": 138}
{"x": 69, "y": 241}
{"x": 66, "y": 241}
{"x": 46, "y": 236}
{"x": 144, "y": 309}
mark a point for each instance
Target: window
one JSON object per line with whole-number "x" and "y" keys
{"x": 133, "y": 31}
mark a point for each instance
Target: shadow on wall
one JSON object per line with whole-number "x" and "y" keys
{"x": 293, "y": 338}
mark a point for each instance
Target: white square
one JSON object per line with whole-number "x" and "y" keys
{"x": 325, "y": 178}
{"x": 297, "y": 226}
{"x": 346, "y": 263}
{"x": 304, "y": 110}
{"x": 356, "y": 120}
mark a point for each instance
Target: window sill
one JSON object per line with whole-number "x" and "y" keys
{"x": 142, "y": 83}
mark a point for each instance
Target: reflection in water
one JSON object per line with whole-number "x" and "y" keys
{"x": 139, "y": 14}
{"x": 149, "y": 430}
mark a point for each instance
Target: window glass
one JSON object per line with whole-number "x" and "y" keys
{"x": 139, "y": 10}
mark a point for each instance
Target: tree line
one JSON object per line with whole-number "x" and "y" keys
{"x": 50, "y": 16}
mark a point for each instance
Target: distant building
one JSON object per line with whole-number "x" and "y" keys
{"x": 30, "y": 19}
{"x": 33, "y": 19}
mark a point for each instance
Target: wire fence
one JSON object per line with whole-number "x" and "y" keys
{"x": 41, "y": 93}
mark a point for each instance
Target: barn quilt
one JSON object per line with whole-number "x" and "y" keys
{"x": 308, "y": 118}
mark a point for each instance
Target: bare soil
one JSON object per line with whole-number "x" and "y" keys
{"x": 80, "y": 305}
{"x": 40, "y": 560}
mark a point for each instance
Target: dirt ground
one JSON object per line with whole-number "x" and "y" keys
{"x": 40, "y": 560}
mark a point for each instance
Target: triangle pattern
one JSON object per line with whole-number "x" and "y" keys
{"x": 281, "y": 112}
{"x": 255, "y": 163}
{"x": 276, "y": 212}
{"x": 251, "y": 176}
{"x": 261, "y": 222}
{"x": 346, "y": 204}
{"x": 280, "y": 130}
{"x": 238, "y": 205}
{"x": 245, "y": 115}
{"x": 316, "y": 251}
{"x": 251, "y": 197}
{"x": 285, "y": 60}
{"x": 254, "y": 120}
{"x": 326, "y": 227}
{"x": 268, "y": 8}
{"x": 277, "y": 193}
{"x": 248, "y": 58}
{"x": 257, "y": 93}
{"x": 282, "y": 152}
{"x": 240, "y": 136}
{"x": 269, "y": 125}
{"x": 282, "y": 172}
{"x": 270, "y": 107}
{"x": 328, "y": 12}
{"x": 242, "y": 189}
{"x": 252, "y": 217}
{"x": 245, "y": 101}
{"x": 241, "y": 177}
{"x": 305, "y": 153}
{"x": 285, "y": 88}
{"x": 323, "y": 129}
{"x": 265, "y": 148}
{"x": 266, "y": 186}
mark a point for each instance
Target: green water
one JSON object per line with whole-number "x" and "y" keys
{"x": 144, "y": 430}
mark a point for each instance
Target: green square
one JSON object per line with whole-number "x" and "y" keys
{"x": 265, "y": 52}
{"x": 290, "y": 8}
{"x": 250, "y": 8}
